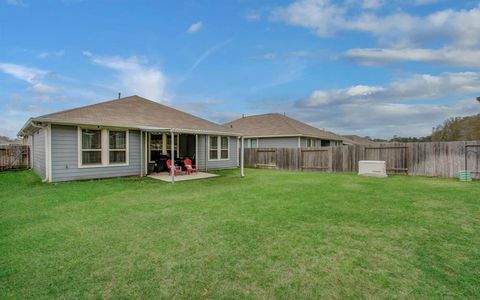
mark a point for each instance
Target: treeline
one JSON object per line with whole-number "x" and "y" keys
{"x": 458, "y": 129}
{"x": 453, "y": 129}
{"x": 7, "y": 140}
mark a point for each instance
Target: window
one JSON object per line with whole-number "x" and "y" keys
{"x": 219, "y": 148}
{"x": 224, "y": 147}
{"x": 91, "y": 147}
{"x": 176, "y": 139}
{"x": 117, "y": 147}
{"x": 156, "y": 146}
{"x": 102, "y": 147}
{"x": 254, "y": 143}
{"x": 213, "y": 152}
{"x": 311, "y": 142}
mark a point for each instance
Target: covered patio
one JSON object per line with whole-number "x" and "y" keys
{"x": 160, "y": 145}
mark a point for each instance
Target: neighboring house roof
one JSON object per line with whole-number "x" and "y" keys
{"x": 275, "y": 124}
{"x": 7, "y": 141}
{"x": 358, "y": 140}
{"x": 132, "y": 112}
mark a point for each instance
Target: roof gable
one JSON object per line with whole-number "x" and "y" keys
{"x": 135, "y": 112}
{"x": 277, "y": 125}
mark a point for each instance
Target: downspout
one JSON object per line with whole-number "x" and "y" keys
{"x": 46, "y": 179}
{"x": 206, "y": 154}
{"x": 32, "y": 150}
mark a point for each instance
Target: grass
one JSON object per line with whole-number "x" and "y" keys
{"x": 270, "y": 235}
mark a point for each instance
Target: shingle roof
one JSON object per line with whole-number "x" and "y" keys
{"x": 133, "y": 112}
{"x": 355, "y": 139}
{"x": 277, "y": 125}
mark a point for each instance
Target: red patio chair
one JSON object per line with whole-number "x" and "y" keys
{"x": 188, "y": 165}
{"x": 176, "y": 169}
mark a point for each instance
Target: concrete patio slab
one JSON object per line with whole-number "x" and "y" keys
{"x": 165, "y": 177}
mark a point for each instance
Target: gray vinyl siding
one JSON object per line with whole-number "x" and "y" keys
{"x": 278, "y": 142}
{"x": 65, "y": 157}
{"x": 217, "y": 164}
{"x": 38, "y": 145}
{"x": 287, "y": 142}
{"x": 318, "y": 142}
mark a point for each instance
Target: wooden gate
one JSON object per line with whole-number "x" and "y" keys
{"x": 472, "y": 160}
{"x": 14, "y": 157}
{"x": 315, "y": 159}
{"x": 266, "y": 158}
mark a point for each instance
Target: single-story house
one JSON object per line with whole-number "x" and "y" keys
{"x": 279, "y": 131}
{"x": 124, "y": 137}
{"x": 358, "y": 140}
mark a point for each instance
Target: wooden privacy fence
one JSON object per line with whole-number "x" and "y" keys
{"x": 14, "y": 157}
{"x": 441, "y": 159}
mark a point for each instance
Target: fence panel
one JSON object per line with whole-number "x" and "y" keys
{"x": 395, "y": 156}
{"x": 441, "y": 159}
{"x": 472, "y": 158}
{"x": 14, "y": 157}
{"x": 266, "y": 158}
{"x": 315, "y": 159}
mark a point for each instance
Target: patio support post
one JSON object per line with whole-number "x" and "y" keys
{"x": 164, "y": 144}
{"x": 196, "y": 150}
{"x": 141, "y": 153}
{"x": 172, "y": 166}
{"x": 242, "y": 158}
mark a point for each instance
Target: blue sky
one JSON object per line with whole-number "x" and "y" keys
{"x": 367, "y": 67}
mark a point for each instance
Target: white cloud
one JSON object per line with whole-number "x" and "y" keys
{"x": 320, "y": 15}
{"x": 30, "y": 75}
{"x": 46, "y": 54}
{"x": 204, "y": 56}
{"x": 269, "y": 56}
{"x": 17, "y": 3}
{"x": 41, "y": 88}
{"x": 454, "y": 57}
{"x": 87, "y": 53}
{"x": 459, "y": 27}
{"x": 416, "y": 87}
{"x": 135, "y": 75}
{"x": 253, "y": 16}
{"x": 401, "y": 107}
{"x": 372, "y": 4}
{"x": 424, "y": 2}
{"x": 195, "y": 27}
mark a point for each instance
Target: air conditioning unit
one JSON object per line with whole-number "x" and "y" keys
{"x": 376, "y": 168}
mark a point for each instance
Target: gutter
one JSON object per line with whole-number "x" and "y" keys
{"x": 138, "y": 127}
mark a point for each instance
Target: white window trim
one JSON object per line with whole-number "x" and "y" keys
{"x": 219, "y": 148}
{"x": 126, "y": 163}
{"x": 105, "y": 150}
{"x": 165, "y": 149}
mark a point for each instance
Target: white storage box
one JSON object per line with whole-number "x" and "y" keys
{"x": 375, "y": 168}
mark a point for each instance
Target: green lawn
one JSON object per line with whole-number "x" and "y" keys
{"x": 270, "y": 235}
